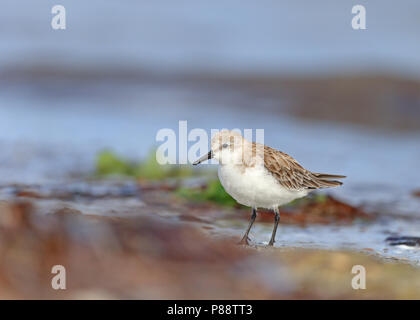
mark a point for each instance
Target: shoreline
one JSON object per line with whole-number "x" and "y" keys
{"x": 154, "y": 252}
{"x": 384, "y": 101}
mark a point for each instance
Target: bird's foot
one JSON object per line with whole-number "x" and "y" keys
{"x": 245, "y": 241}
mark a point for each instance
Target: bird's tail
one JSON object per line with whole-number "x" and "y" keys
{"x": 328, "y": 176}
{"x": 326, "y": 179}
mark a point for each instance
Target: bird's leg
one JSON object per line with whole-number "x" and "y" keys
{"x": 245, "y": 238}
{"x": 276, "y": 223}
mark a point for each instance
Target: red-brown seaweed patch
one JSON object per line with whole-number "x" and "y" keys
{"x": 328, "y": 211}
{"x": 143, "y": 257}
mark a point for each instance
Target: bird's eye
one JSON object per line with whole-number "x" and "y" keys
{"x": 225, "y": 145}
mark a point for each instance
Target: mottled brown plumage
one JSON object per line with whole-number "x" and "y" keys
{"x": 261, "y": 177}
{"x": 291, "y": 175}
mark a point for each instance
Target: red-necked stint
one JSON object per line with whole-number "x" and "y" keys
{"x": 258, "y": 176}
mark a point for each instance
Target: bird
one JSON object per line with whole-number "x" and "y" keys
{"x": 261, "y": 177}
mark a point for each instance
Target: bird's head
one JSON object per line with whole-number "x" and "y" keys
{"x": 226, "y": 147}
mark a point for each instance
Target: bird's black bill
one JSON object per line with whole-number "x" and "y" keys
{"x": 207, "y": 156}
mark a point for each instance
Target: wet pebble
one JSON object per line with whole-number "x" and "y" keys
{"x": 403, "y": 241}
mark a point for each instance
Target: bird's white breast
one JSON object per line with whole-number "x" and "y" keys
{"x": 255, "y": 186}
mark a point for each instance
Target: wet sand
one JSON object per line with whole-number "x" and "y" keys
{"x": 114, "y": 81}
{"x": 125, "y": 239}
{"x": 118, "y": 239}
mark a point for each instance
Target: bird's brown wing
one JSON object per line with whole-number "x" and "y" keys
{"x": 290, "y": 174}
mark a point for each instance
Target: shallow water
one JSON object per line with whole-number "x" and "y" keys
{"x": 56, "y": 145}
{"x": 41, "y": 142}
{"x": 61, "y": 103}
{"x": 364, "y": 237}
{"x": 238, "y": 36}
{"x": 121, "y": 72}
{"x": 125, "y": 199}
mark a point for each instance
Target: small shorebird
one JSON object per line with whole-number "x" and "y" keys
{"x": 258, "y": 176}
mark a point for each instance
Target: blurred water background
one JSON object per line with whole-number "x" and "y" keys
{"x": 123, "y": 70}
